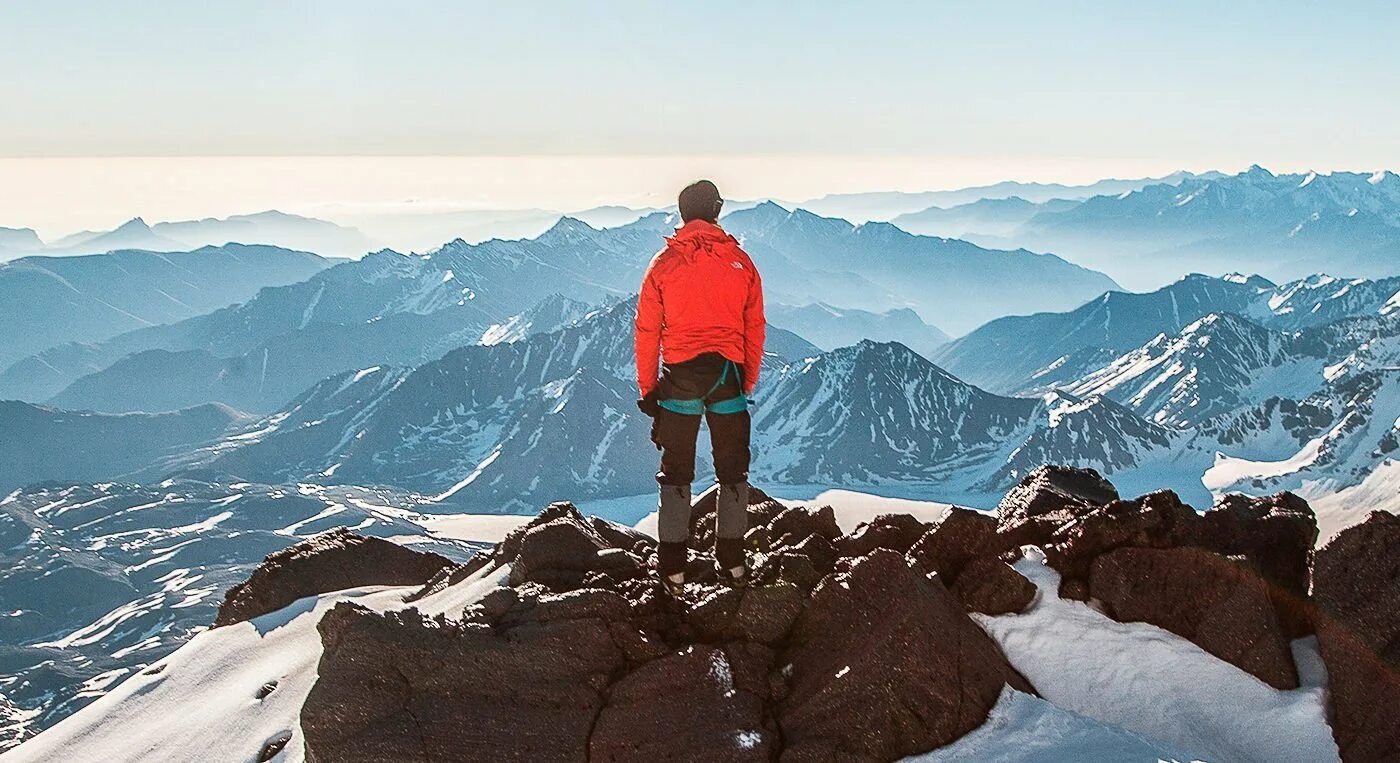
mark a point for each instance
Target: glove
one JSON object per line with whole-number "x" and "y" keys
{"x": 649, "y": 404}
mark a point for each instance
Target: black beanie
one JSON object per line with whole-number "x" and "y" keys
{"x": 700, "y": 201}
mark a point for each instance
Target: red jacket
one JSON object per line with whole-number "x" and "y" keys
{"x": 700, "y": 294}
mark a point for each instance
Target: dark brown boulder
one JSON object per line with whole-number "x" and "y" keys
{"x": 1048, "y": 498}
{"x": 1277, "y": 534}
{"x": 332, "y": 561}
{"x": 1356, "y": 589}
{"x": 761, "y": 614}
{"x": 795, "y": 524}
{"x": 990, "y": 586}
{"x": 1219, "y": 605}
{"x": 689, "y": 705}
{"x": 398, "y": 686}
{"x": 559, "y": 552}
{"x": 895, "y": 532}
{"x": 884, "y": 663}
{"x": 1155, "y": 520}
{"x": 959, "y": 537}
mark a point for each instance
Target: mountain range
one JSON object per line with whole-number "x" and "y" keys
{"x": 1284, "y": 226}
{"x": 47, "y": 301}
{"x": 271, "y": 228}
{"x": 395, "y": 309}
{"x": 889, "y": 205}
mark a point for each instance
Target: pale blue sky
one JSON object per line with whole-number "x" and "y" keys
{"x": 1102, "y": 84}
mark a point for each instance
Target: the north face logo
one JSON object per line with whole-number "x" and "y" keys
{"x": 737, "y": 265}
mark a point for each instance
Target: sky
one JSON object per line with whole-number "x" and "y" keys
{"x": 623, "y": 98}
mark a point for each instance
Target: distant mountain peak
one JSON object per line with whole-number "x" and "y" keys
{"x": 568, "y": 228}
{"x": 133, "y": 225}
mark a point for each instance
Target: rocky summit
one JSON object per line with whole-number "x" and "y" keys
{"x": 1159, "y": 630}
{"x": 853, "y": 646}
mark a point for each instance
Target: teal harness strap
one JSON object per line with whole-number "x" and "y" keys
{"x": 698, "y": 406}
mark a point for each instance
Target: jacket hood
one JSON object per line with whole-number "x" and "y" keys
{"x": 699, "y": 236}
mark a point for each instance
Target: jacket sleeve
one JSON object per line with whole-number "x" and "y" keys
{"x": 755, "y": 329}
{"x": 648, "y": 332}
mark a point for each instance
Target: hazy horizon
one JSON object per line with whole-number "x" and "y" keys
{"x": 60, "y": 196}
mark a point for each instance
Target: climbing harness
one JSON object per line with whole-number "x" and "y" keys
{"x": 698, "y": 405}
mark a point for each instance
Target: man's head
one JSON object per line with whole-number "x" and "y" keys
{"x": 700, "y": 201}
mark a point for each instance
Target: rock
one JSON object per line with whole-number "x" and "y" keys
{"x": 884, "y": 663}
{"x": 992, "y": 587}
{"x": 398, "y": 686}
{"x": 559, "y": 552}
{"x": 1276, "y": 533}
{"x": 761, "y": 614}
{"x": 1356, "y": 589}
{"x": 684, "y": 706}
{"x": 959, "y": 537}
{"x": 1155, "y": 520}
{"x": 1047, "y": 498}
{"x": 794, "y": 525}
{"x": 896, "y": 532}
{"x": 1219, "y": 605}
{"x": 332, "y": 561}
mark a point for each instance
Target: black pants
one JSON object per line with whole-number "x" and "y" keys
{"x": 675, "y": 433}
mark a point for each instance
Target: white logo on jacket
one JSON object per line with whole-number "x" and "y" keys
{"x": 737, "y": 265}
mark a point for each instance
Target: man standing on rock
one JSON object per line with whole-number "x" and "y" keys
{"x": 699, "y": 337}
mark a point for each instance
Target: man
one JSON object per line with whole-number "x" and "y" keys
{"x": 699, "y": 343}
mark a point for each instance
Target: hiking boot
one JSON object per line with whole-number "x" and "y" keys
{"x": 674, "y": 587}
{"x": 734, "y": 577}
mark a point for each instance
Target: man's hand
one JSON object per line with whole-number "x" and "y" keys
{"x": 649, "y": 404}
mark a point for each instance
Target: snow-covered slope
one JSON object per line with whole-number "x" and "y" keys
{"x": 99, "y": 580}
{"x": 1354, "y": 445}
{"x": 1215, "y": 365}
{"x": 1027, "y": 354}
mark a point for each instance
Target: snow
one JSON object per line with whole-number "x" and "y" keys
{"x": 1154, "y": 683}
{"x": 1026, "y": 729}
{"x": 490, "y": 528}
{"x": 363, "y": 373}
{"x": 1340, "y": 509}
{"x": 850, "y": 507}
{"x": 202, "y": 697}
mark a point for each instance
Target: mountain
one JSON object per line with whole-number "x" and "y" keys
{"x": 394, "y": 309}
{"x": 553, "y": 312}
{"x": 1282, "y": 226}
{"x": 46, "y": 301}
{"x": 830, "y": 327}
{"x": 1343, "y": 448}
{"x": 951, "y": 284}
{"x": 16, "y": 241}
{"x": 1217, "y": 364}
{"x": 101, "y": 580}
{"x": 1027, "y": 354}
{"x": 270, "y": 227}
{"x": 886, "y": 205}
{"x": 983, "y": 219}
{"x": 387, "y": 308}
{"x": 39, "y": 443}
{"x": 472, "y": 428}
{"x": 132, "y": 234}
